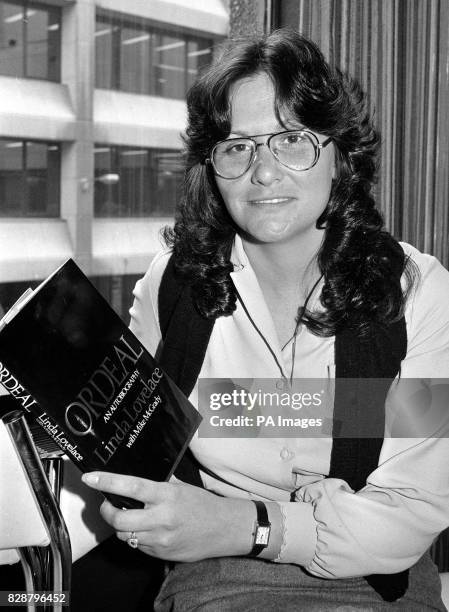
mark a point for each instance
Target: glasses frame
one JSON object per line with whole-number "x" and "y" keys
{"x": 318, "y": 146}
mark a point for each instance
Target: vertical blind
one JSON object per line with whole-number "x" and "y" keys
{"x": 399, "y": 51}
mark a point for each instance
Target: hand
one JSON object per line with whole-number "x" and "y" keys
{"x": 179, "y": 522}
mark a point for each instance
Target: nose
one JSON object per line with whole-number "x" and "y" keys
{"x": 266, "y": 168}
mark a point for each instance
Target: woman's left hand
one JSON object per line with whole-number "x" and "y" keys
{"x": 179, "y": 522}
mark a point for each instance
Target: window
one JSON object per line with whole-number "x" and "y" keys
{"x": 170, "y": 73}
{"x": 104, "y": 61}
{"x": 134, "y": 55}
{"x": 30, "y": 40}
{"x": 147, "y": 60}
{"x": 29, "y": 178}
{"x": 136, "y": 182}
{"x": 199, "y": 55}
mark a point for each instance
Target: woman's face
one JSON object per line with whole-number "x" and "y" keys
{"x": 271, "y": 203}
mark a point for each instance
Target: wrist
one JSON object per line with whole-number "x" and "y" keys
{"x": 233, "y": 529}
{"x": 240, "y": 529}
{"x": 234, "y": 525}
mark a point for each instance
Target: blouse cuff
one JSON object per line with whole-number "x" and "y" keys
{"x": 299, "y": 533}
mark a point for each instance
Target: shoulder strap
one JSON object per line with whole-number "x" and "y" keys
{"x": 370, "y": 363}
{"x": 185, "y": 337}
{"x": 365, "y": 369}
{"x": 184, "y": 331}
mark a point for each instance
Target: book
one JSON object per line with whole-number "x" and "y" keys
{"x": 70, "y": 361}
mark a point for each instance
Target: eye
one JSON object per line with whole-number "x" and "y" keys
{"x": 293, "y": 140}
{"x": 236, "y": 148}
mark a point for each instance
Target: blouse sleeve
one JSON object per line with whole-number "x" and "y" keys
{"x": 389, "y": 524}
{"x": 144, "y": 311}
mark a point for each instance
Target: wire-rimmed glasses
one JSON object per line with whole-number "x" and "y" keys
{"x": 296, "y": 149}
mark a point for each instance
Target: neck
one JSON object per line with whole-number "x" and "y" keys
{"x": 283, "y": 265}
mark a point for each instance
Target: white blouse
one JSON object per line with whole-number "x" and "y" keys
{"x": 330, "y": 530}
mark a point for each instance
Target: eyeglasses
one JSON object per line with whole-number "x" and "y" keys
{"x": 296, "y": 149}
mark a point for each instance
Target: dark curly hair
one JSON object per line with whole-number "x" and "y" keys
{"x": 360, "y": 262}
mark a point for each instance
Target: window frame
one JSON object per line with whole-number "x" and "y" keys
{"x": 121, "y": 21}
{"x": 115, "y": 156}
{"x": 23, "y": 210}
{"x": 25, "y": 5}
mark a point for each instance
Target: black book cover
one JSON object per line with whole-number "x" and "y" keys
{"x": 69, "y": 359}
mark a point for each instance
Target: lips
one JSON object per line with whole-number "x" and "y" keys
{"x": 274, "y": 200}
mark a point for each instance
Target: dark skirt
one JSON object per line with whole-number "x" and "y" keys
{"x": 240, "y": 584}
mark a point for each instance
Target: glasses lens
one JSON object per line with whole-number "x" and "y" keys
{"x": 231, "y": 158}
{"x": 296, "y": 150}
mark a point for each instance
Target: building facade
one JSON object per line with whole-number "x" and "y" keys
{"x": 92, "y": 106}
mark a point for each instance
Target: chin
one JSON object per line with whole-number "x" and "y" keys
{"x": 285, "y": 233}
{"x": 270, "y": 230}
{"x": 269, "y": 238}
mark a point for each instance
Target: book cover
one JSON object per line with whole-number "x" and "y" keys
{"x": 68, "y": 358}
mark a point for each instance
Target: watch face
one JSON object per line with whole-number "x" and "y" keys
{"x": 262, "y": 535}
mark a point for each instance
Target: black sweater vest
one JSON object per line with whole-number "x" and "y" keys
{"x": 359, "y": 414}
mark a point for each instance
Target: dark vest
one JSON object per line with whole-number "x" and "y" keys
{"x": 359, "y": 413}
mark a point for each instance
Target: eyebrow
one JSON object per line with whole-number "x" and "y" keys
{"x": 244, "y": 134}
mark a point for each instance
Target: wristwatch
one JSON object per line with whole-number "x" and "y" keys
{"x": 262, "y": 529}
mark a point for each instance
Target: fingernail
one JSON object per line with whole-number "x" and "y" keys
{"x": 89, "y": 479}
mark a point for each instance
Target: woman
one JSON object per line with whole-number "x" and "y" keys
{"x": 280, "y": 240}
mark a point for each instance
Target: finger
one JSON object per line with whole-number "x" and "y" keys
{"x": 124, "y": 536}
{"x": 130, "y": 486}
{"x": 126, "y": 520}
{"x": 142, "y": 543}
